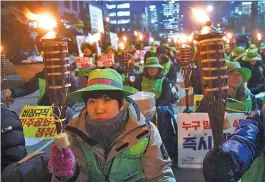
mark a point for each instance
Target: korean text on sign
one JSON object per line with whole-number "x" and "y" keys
{"x": 83, "y": 62}
{"x": 105, "y": 60}
{"x": 38, "y": 121}
{"x": 195, "y": 136}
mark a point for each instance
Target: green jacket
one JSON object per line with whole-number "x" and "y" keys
{"x": 153, "y": 85}
{"x": 137, "y": 154}
{"x": 166, "y": 67}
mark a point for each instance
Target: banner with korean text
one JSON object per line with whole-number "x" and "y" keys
{"x": 195, "y": 136}
{"x": 140, "y": 54}
{"x": 105, "y": 60}
{"x": 38, "y": 122}
{"x": 83, "y": 62}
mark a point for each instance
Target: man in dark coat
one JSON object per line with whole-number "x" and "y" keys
{"x": 12, "y": 138}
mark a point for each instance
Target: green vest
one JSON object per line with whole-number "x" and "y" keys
{"x": 166, "y": 67}
{"x": 126, "y": 166}
{"x": 256, "y": 171}
{"x": 240, "y": 106}
{"x": 227, "y": 57}
{"x": 151, "y": 85}
{"x": 42, "y": 87}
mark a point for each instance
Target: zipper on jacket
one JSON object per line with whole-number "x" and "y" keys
{"x": 9, "y": 128}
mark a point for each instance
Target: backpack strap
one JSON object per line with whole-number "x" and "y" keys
{"x": 137, "y": 110}
{"x": 29, "y": 157}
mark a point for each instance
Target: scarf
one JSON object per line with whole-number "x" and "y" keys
{"x": 106, "y": 131}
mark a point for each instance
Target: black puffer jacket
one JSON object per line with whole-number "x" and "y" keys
{"x": 12, "y": 138}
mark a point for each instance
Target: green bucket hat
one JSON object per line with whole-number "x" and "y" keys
{"x": 252, "y": 47}
{"x": 132, "y": 47}
{"x": 262, "y": 46}
{"x": 152, "y": 62}
{"x": 226, "y": 46}
{"x": 238, "y": 51}
{"x": 152, "y": 49}
{"x": 110, "y": 48}
{"x": 252, "y": 55}
{"x": 246, "y": 73}
{"x": 79, "y": 23}
{"x": 101, "y": 79}
{"x": 88, "y": 45}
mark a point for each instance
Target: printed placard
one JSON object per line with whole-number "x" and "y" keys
{"x": 140, "y": 54}
{"x": 195, "y": 136}
{"x": 197, "y": 101}
{"x": 38, "y": 122}
{"x": 83, "y": 62}
{"x": 105, "y": 60}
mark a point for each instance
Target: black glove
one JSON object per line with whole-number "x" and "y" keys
{"x": 219, "y": 166}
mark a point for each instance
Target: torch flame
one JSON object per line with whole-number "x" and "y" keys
{"x": 122, "y": 46}
{"x": 43, "y": 20}
{"x": 229, "y": 35}
{"x": 183, "y": 39}
{"x": 50, "y": 35}
{"x": 259, "y": 36}
{"x": 200, "y": 15}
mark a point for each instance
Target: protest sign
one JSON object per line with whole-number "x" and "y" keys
{"x": 140, "y": 54}
{"x": 38, "y": 122}
{"x": 105, "y": 60}
{"x": 197, "y": 101}
{"x": 195, "y": 136}
{"x": 83, "y": 62}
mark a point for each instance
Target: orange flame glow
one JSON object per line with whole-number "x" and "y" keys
{"x": 122, "y": 45}
{"x": 259, "y": 36}
{"x": 43, "y": 20}
{"x": 200, "y": 15}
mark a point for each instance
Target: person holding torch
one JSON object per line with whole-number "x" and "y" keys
{"x": 110, "y": 140}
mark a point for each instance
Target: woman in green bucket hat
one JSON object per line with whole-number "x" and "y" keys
{"x": 240, "y": 98}
{"x": 153, "y": 80}
{"x": 110, "y": 130}
{"x": 237, "y": 54}
{"x": 257, "y": 81}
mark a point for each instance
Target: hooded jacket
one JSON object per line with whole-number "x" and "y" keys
{"x": 154, "y": 163}
{"x": 13, "y": 146}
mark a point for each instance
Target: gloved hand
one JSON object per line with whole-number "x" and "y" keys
{"x": 219, "y": 166}
{"x": 62, "y": 162}
{"x": 6, "y": 94}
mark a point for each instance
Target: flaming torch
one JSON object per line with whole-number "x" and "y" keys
{"x": 185, "y": 63}
{"x": 57, "y": 72}
{"x": 124, "y": 57}
{"x": 259, "y": 36}
{"x": 212, "y": 66}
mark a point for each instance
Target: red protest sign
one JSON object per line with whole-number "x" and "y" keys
{"x": 83, "y": 62}
{"x": 105, "y": 60}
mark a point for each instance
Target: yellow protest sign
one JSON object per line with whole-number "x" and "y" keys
{"x": 38, "y": 121}
{"x": 197, "y": 101}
